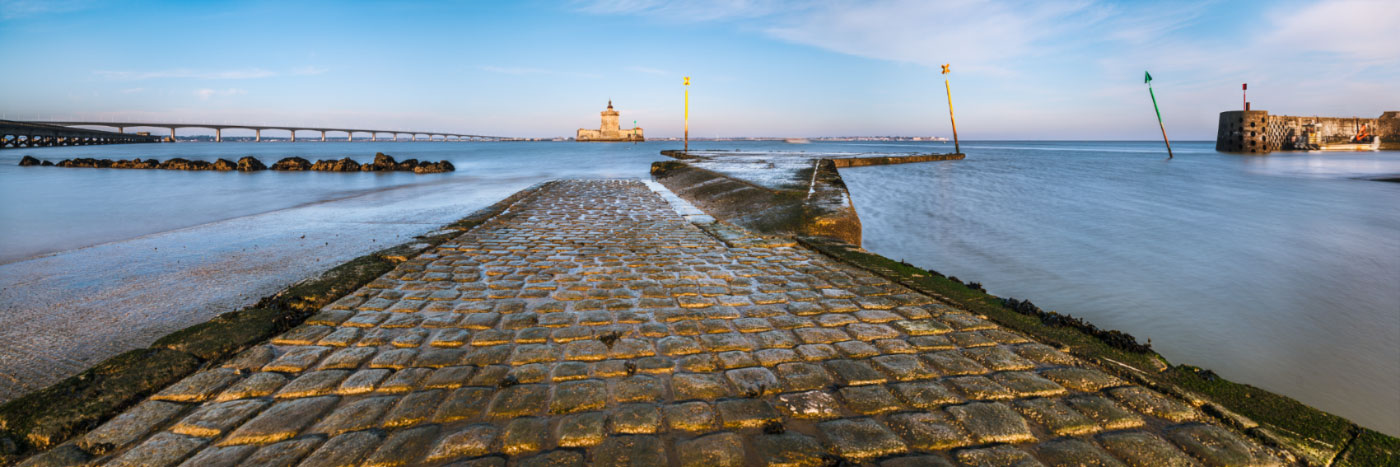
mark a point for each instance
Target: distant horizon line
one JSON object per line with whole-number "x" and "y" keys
{"x": 833, "y": 139}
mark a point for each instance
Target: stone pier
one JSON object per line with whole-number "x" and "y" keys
{"x": 590, "y": 323}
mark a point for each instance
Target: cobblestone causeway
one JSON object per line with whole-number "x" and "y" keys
{"x": 592, "y": 324}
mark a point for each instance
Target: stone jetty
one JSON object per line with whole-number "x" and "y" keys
{"x": 590, "y": 323}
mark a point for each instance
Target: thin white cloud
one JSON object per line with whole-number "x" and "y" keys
{"x": 712, "y": 10}
{"x": 308, "y": 70}
{"x": 15, "y": 9}
{"x": 976, "y": 35}
{"x": 252, "y": 73}
{"x": 207, "y": 93}
{"x": 522, "y": 71}
{"x": 1354, "y": 29}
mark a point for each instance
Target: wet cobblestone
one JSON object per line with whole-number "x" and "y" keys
{"x": 592, "y": 324}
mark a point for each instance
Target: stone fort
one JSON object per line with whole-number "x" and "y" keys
{"x": 609, "y": 131}
{"x": 1257, "y": 132}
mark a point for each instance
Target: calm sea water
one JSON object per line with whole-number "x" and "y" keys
{"x": 1280, "y": 271}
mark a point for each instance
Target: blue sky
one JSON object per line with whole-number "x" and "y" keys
{"x": 1022, "y": 70}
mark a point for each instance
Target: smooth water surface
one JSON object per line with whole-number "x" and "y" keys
{"x": 1280, "y": 271}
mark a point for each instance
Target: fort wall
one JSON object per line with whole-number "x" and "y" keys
{"x": 1257, "y": 132}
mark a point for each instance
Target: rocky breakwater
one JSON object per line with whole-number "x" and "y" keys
{"x": 386, "y": 163}
{"x": 382, "y": 163}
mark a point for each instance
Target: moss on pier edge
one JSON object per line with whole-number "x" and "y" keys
{"x": 46, "y": 418}
{"x": 1315, "y": 436}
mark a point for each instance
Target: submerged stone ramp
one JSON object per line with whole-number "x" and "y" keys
{"x": 592, "y": 324}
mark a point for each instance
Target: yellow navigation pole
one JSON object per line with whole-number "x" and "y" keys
{"x": 956, "y": 148}
{"x": 687, "y": 114}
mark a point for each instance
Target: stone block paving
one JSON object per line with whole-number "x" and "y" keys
{"x": 591, "y": 324}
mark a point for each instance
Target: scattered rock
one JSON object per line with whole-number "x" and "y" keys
{"x": 136, "y": 163}
{"x": 434, "y": 167}
{"x": 382, "y": 163}
{"x": 250, "y": 164}
{"x": 186, "y": 164}
{"x": 292, "y": 163}
{"x": 343, "y": 165}
{"x": 86, "y": 162}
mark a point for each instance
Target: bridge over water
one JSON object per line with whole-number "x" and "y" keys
{"x": 66, "y": 133}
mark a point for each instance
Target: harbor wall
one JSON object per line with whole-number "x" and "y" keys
{"x": 1257, "y": 132}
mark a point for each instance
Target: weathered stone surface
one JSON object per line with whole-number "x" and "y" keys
{"x": 462, "y": 404}
{"x": 1148, "y": 402}
{"x": 591, "y": 324}
{"x": 315, "y": 383}
{"x": 212, "y": 420}
{"x": 1057, "y": 417}
{"x": 690, "y": 416}
{"x": 471, "y": 441}
{"x": 581, "y": 430}
{"x": 129, "y": 426}
{"x": 753, "y": 382}
{"x": 343, "y": 450}
{"x": 818, "y": 405}
{"x": 160, "y": 449}
{"x": 414, "y": 408}
{"x": 636, "y": 419}
{"x": 1218, "y": 446}
{"x": 525, "y": 435}
{"x": 65, "y": 455}
{"x": 928, "y": 431}
{"x": 1104, "y": 411}
{"x": 579, "y": 396}
{"x": 789, "y": 449}
{"x": 1075, "y": 452}
{"x": 998, "y": 455}
{"x": 281, "y": 421}
{"x": 519, "y": 400}
{"x": 199, "y": 386}
{"x": 861, "y": 438}
{"x": 255, "y": 385}
{"x": 283, "y": 453}
{"x": 1081, "y": 379}
{"x": 354, "y": 416}
{"x": 220, "y": 456}
{"x": 404, "y": 447}
{"x": 992, "y": 422}
{"x": 636, "y": 451}
{"x": 720, "y": 449}
{"x": 1140, "y": 449}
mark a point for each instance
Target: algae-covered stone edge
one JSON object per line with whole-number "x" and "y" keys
{"x": 47, "y": 418}
{"x": 1314, "y": 436}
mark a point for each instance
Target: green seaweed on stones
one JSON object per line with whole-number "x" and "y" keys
{"x": 1305, "y": 431}
{"x": 49, "y": 416}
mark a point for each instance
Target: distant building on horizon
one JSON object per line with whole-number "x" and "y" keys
{"x": 609, "y": 131}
